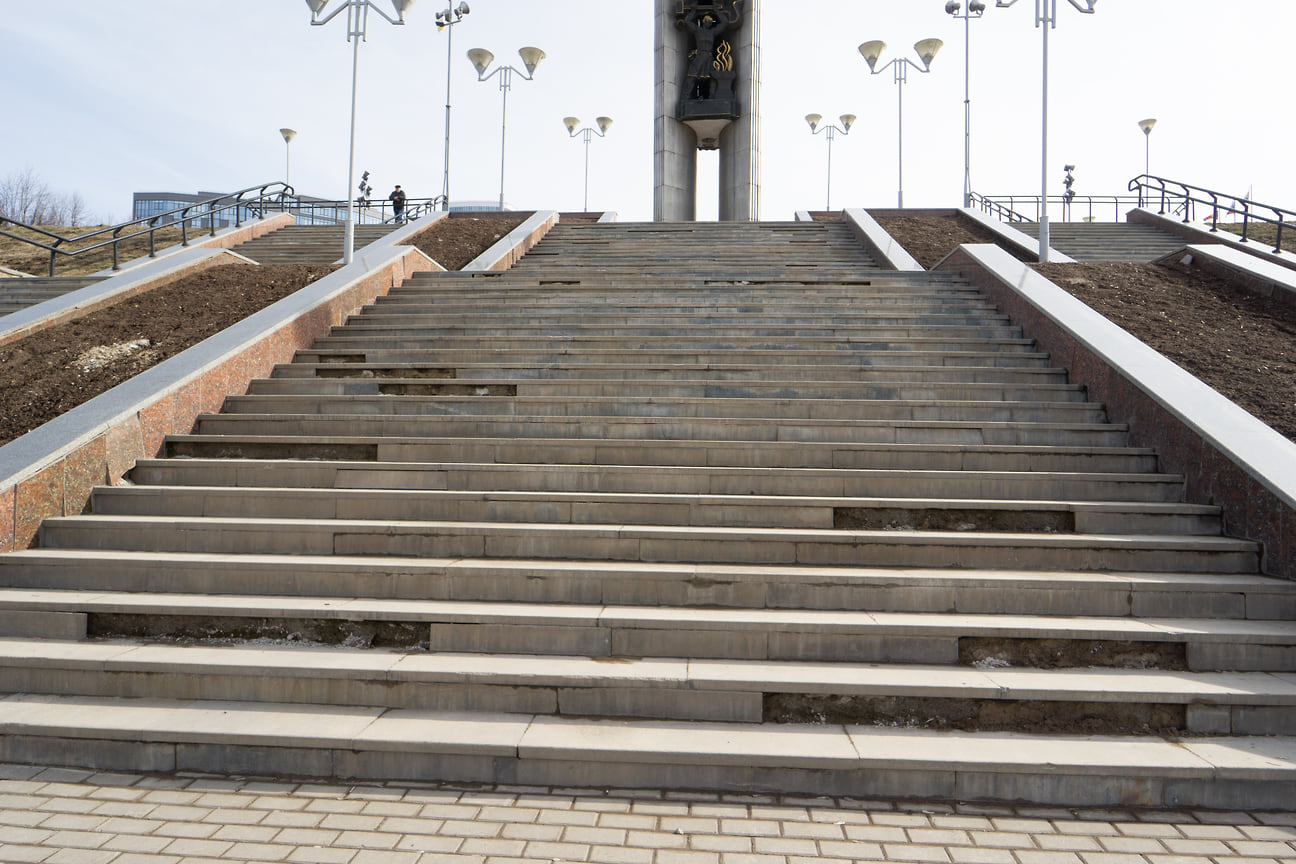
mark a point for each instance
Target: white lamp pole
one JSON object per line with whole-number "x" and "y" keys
{"x": 975, "y": 9}
{"x": 927, "y": 50}
{"x": 481, "y": 60}
{"x": 1146, "y": 126}
{"x": 288, "y": 136}
{"x": 446, "y": 21}
{"x": 1046, "y": 20}
{"x": 830, "y": 132}
{"x": 357, "y": 22}
{"x": 588, "y": 133}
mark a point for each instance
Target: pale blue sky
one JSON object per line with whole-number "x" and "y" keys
{"x": 107, "y": 98}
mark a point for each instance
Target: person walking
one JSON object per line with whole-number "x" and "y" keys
{"x": 397, "y": 197}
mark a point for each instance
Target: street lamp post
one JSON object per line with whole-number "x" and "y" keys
{"x": 357, "y": 24}
{"x": 974, "y": 9}
{"x": 588, "y": 134}
{"x": 1045, "y": 20}
{"x": 1146, "y": 126}
{"x": 446, "y": 21}
{"x": 481, "y": 60}
{"x": 288, "y": 136}
{"x": 830, "y": 132}
{"x": 926, "y": 49}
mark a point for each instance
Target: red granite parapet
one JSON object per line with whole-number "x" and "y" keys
{"x": 1252, "y": 507}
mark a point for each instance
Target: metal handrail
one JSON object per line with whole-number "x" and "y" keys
{"x": 1182, "y": 198}
{"x": 255, "y": 200}
{"x": 1005, "y": 206}
{"x": 368, "y": 212}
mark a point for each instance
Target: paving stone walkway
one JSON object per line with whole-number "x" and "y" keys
{"x": 74, "y": 817}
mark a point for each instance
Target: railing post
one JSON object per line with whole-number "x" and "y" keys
{"x": 1278, "y": 241}
{"x": 51, "y": 267}
{"x": 211, "y": 216}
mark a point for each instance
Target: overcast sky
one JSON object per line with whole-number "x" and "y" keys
{"x": 108, "y": 98}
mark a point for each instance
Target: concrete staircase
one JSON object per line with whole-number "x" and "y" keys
{"x": 20, "y": 292}
{"x": 308, "y": 244}
{"x": 699, "y": 506}
{"x": 1108, "y": 242}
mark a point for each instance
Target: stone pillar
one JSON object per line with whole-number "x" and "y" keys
{"x": 740, "y": 143}
{"x": 676, "y": 145}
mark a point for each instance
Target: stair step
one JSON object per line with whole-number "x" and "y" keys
{"x": 759, "y": 586}
{"x": 1092, "y": 701}
{"x": 648, "y": 543}
{"x": 693, "y": 509}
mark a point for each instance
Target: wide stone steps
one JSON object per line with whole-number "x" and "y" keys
{"x": 652, "y": 543}
{"x": 20, "y": 292}
{"x": 1109, "y": 242}
{"x": 658, "y": 479}
{"x": 308, "y": 244}
{"x": 466, "y": 538}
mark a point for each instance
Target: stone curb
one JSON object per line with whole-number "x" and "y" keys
{"x": 1241, "y": 268}
{"x": 1199, "y": 234}
{"x": 1229, "y": 457}
{"x": 515, "y": 244}
{"x": 51, "y": 470}
{"x": 889, "y": 253}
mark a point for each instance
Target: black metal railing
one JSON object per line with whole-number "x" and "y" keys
{"x": 1008, "y": 208}
{"x": 245, "y": 204}
{"x": 314, "y": 211}
{"x": 1182, "y": 199}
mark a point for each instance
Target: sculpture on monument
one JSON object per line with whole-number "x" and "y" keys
{"x": 709, "y": 103}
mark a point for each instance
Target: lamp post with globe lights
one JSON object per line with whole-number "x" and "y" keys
{"x": 446, "y": 21}
{"x": 974, "y": 9}
{"x": 872, "y": 52}
{"x": 1046, "y": 20}
{"x": 357, "y": 25}
{"x": 830, "y": 131}
{"x": 481, "y": 60}
{"x": 588, "y": 133}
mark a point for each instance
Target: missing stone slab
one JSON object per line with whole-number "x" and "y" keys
{"x": 272, "y": 450}
{"x": 971, "y": 715}
{"x": 992, "y": 652}
{"x": 447, "y": 389}
{"x": 230, "y": 629}
{"x": 387, "y": 372}
{"x": 934, "y": 519}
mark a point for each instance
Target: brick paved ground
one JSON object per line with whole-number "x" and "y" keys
{"x": 70, "y": 817}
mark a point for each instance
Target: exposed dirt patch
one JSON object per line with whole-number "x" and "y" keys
{"x": 930, "y": 238}
{"x": 1240, "y": 343}
{"x": 456, "y": 241}
{"x": 988, "y": 715}
{"x": 996, "y": 653}
{"x": 935, "y": 519}
{"x": 351, "y": 634}
{"x": 54, "y": 371}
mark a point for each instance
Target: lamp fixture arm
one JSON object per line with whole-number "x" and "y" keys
{"x": 359, "y": 4}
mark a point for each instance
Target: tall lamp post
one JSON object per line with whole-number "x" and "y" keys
{"x": 926, "y": 49}
{"x": 1146, "y": 126}
{"x": 288, "y": 136}
{"x": 481, "y": 60}
{"x": 830, "y": 132}
{"x": 357, "y": 24}
{"x": 446, "y": 21}
{"x": 974, "y": 9}
{"x": 1045, "y": 20}
{"x": 588, "y": 134}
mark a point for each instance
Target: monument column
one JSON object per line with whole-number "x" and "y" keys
{"x": 708, "y": 72}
